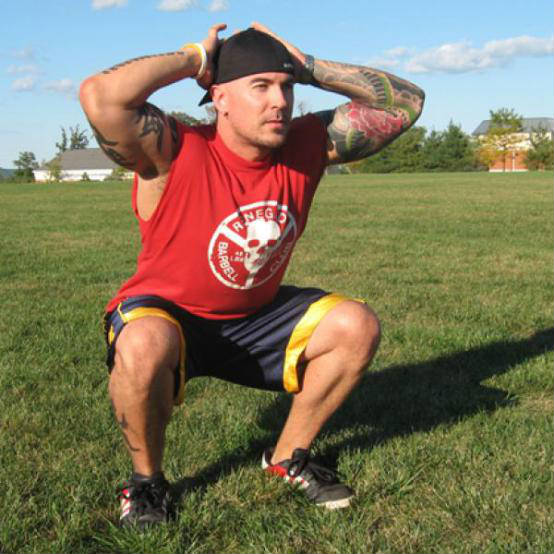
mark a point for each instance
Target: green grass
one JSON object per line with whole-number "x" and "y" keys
{"x": 448, "y": 441}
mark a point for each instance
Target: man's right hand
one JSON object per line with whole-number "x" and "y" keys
{"x": 132, "y": 132}
{"x": 211, "y": 43}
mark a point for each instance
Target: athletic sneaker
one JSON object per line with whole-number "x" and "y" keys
{"x": 144, "y": 501}
{"x": 320, "y": 484}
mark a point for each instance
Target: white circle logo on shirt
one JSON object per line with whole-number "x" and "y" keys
{"x": 251, "y": 244}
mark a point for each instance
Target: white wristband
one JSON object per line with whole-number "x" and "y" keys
{"x": 204, "y": 57}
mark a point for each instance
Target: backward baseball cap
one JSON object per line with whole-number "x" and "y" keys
{"x": 247, "y": 53}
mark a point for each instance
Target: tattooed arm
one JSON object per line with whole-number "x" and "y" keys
{"x": 132, "y": 132}
{"x": 381, "y": 108}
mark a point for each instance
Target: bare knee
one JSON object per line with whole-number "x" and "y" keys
{"x": 350, "y": 332}
{"x": 358, "y": 330}
{"x": 145, "y": 350}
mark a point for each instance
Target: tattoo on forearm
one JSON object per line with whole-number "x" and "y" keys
{"x": 133, "y": 60}
{"x": 108, "y": 147}
{"x": 358, "y": 130}
{"x": 377, "y": 89}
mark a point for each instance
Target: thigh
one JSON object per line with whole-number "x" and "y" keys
{"x": 264, "y": 350}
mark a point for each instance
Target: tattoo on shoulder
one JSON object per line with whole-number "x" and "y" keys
{"x": 108, "y": 146}
{"x": 133, "y": 60}
{"x": 153, "y": 122}
{"x": 174, "y": 136}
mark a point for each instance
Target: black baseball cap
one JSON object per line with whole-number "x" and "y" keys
{"x": 247, "y": 53}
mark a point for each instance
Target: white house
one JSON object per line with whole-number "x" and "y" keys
{"x": 75, "y": 163}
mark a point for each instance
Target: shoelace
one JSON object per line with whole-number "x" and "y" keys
{"x": 301, "y": 460}
{"x": 144, "y": 495}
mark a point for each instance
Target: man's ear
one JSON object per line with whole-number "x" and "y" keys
{"x": 219, "y": 98}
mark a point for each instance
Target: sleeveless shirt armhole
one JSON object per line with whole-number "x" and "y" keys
{"x": 145, "y": 223}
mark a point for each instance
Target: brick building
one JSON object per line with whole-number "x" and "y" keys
{"x": 515, "y": 160}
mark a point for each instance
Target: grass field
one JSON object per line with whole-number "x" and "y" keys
{"x": 448, "y": 441}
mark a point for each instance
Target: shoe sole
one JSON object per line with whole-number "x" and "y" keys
{"x": 336, "y": 504}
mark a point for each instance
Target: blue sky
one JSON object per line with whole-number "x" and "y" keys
{"x": 469, "y": 56}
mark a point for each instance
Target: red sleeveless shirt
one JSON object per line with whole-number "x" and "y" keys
{"x": 221, "y": 237}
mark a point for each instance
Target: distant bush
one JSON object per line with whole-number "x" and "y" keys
{"x": 415, "y": 150}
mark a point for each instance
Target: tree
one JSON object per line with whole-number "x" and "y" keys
{"x": 54, "y": 168}
{"x": 501, "y": 137}
{"x": 186, "y": 118}
{"x": 404, "y": 154}
{"x": 78, "y": 140}
{"x": 62, "y": 145}
{"x": 303, "y": 108}
{"x": 449, "y": 150}
{"x": 119, "y": 174}
{"x": 25, "y": 165}
{"x": 183, "y": 117}
{"x": 541, "y": 153}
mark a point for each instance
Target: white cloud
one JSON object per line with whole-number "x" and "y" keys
{"x": 17, "y": 69}
{"x": 176, "y": 5}
{"x": 398, "y": 52}
{"x": 62, "y": 86}
{"x": 463, "y": 57}
{"x": 521, "y": 46}
{"x": 26, "y": 53}
{"x": 458, "y": 57}
{"x": 382, "y": 63}
{"x": 101, "y": 4}
{"x": 24, "y": 84}
{"x": 219, "y": 5}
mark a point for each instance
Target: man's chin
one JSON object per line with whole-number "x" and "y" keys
{"x": 276, "y": 138}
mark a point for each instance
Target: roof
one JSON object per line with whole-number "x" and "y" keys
{"x": 529, "y": 124}
{"x": 86, "y": 158}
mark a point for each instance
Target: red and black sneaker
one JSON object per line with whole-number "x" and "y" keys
{"x": 320, "y": 484}
{"x": 144, "y": 501}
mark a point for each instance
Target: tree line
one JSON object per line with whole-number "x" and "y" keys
{"x": 453, "y": 150}
{"x": 417, "y": 150}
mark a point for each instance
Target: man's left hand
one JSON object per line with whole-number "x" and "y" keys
{"x": 298, "y": 57}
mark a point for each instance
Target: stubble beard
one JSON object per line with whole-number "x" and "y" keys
{"x": 271, "y": 138}
{"x": 263, "y": 136}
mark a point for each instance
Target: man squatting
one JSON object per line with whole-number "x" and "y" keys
{"x": 220, "y": 208}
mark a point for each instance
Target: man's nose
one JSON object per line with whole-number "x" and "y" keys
{"x": 279, "y": 98}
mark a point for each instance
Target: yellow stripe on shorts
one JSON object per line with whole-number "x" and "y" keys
{"x": 302, "y": 333}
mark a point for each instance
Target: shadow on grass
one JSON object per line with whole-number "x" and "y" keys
{"x": 399, "y": 400}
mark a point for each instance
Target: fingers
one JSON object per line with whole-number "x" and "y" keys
{"x": 212, "y": 41}
{"x": 217, "y": 28}
{"x": 260, "y": 27}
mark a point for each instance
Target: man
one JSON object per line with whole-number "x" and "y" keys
{"x": 220, "y": 208}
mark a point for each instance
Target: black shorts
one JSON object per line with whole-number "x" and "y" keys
{"x": 261, "y": 350}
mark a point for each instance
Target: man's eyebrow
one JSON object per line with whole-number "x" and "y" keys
{"x": 289, "y": 79}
